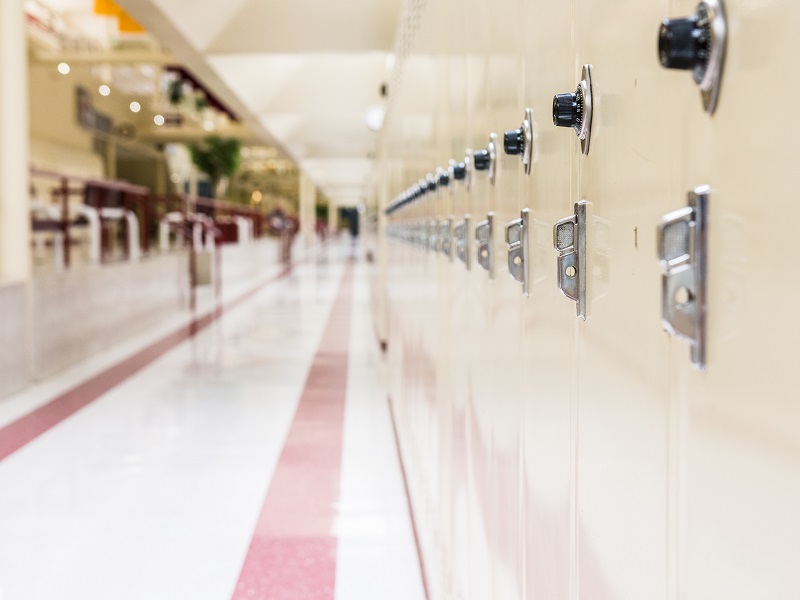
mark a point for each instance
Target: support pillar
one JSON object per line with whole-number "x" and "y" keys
{"x": 333, "y": 217}
{"x": 111, "y": 159}
{"x": 308, "y": 208}
{"x": 15, "y": 223}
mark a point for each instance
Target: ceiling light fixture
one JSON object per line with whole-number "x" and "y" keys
{"x": 158, "y": 120}
{"x": 374, "y": 117}
{"x": 135, "y": 106}
{"x": 63, "y": 68}
{"x": 104, "y": 90}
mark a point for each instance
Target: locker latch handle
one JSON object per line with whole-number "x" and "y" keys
{"x": 432, "y": 231}
{"x": 682, "y": 238}
{"x": 517, "y": 238}
{"x": 462, "y": 241}
{"x": 445, "y": 238}
{"x": 569, "y": 238}
{"x": 484, "y": 238}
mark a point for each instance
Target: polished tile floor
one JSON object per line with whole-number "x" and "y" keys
{"x": 252, "y": 459}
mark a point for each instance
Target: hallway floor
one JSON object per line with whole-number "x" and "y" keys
{"x": 245, "y": 453}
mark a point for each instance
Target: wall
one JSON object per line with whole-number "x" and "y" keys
{"x": 15, "y": 359}
{"x": 85, "y": 310}
{"x": 551, "y": 457}
{"x": 66, "y": 317}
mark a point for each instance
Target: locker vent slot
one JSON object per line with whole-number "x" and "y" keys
{"x": 565, "y": 235}
{"x": 675, "y": 241}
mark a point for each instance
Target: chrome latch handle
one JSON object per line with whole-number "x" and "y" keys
{"x": 682, "y": 238}
{"x": 446, "y": 238}
{"x": 569, "y": 238}
{"x": 484, "y": 238}
{"x": 517, "y": 238}
{"x": 462, "y": 241}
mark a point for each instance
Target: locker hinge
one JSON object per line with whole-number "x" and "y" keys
{"x": 569, "y": 238}
{"x": 682, "y": 249}
{"x": 484, "y": 237}
{"x": 517, "y": 238}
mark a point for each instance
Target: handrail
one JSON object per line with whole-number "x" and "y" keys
{"x": 109, "y": 184}
{"x": 224, "y": 204}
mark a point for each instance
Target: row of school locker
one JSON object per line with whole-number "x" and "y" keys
{"x": 554, "y": 457}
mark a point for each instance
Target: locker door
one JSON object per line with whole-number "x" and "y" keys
{"x": 739, "y": 455}
{"x": 622, "y": 403}
{"x": 479, "y": 397}
{"x": 548, "y": 318}
{"x": 501, "y": 348}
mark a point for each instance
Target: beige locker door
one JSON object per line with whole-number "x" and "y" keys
{"x": 479, "y": 399}
{"x": 458, "y": 314}
{"x": 548, "y": 317}
{"x": 738, "y": 525}
{"x": 622, "y": 353}
{"x": 502, "y": 343}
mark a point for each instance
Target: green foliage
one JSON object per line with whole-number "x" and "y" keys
{"x": 176, "y": 92}
{"x": 217, "y": 157}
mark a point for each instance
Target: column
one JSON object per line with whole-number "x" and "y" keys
{"x": 111, "y": 159}
{"x": 308, "y": 207}
{"x": 15, "y": 225}
{"x": 333, "y": 217}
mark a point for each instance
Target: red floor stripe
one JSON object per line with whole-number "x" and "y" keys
{"x": 292, "y": 555}
{"x": 17, "y": 434}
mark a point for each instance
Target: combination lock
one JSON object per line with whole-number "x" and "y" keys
{"x": 697, "y": 44}
{"x": 486, "y": 160}
{"x": 520, "y": 141}
{"x": 575, "y": 109}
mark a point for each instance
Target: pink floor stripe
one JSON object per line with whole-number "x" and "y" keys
{"x": 17, "y": 434}
{"x": 292, "y": 555}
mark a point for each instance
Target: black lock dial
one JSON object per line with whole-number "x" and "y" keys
{"x": 568, "y": 110}
{"x": 444, "y": 178}
{"x": 459, "y": 171}
{"x": 431, "y": 182}
{"x": 686, "y": 43}
{"x": 481, "y": 160}
{"x": 514, "y": 141}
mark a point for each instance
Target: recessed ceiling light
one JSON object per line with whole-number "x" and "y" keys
{"x": 208, "y": 125}
{"x": 374, "y": 117}
{"x": 135, "y": 106}
{"x": 104, "y": 90}
{"x": 158, "y": 120}
{"x": 63, "y": 68}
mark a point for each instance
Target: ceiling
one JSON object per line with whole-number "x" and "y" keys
{"x": 301, "y": 73}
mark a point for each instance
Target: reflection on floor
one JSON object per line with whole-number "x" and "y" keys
{"x": 249, "y": 455}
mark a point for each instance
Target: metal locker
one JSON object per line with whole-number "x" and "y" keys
{"x": 735, "y": 424}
